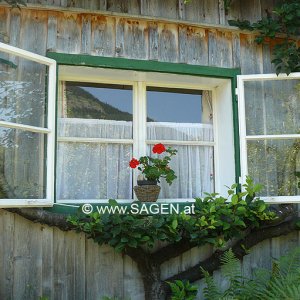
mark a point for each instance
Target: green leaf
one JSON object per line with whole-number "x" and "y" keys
{"x": 234, "y": 199}
{"x": 174, "y": 224}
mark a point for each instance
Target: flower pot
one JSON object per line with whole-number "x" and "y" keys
{"x": 147, "y": 193}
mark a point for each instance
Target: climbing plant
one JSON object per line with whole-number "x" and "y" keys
{"x": 215, "y": 221}
{"x": 282, "y": 25}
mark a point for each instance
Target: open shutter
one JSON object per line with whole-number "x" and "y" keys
{"x": 27, "y": 128}
{"x": 269, "y": 118}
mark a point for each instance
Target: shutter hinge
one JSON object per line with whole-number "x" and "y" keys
{"x": 236, "y": 91}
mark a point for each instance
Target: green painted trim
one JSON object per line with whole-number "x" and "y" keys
{"x": 154, "y": 66}
{"x": 74, "y": 208}
{"x": 9, "y": 63}
{"x": 236, "y": 130}
{"x": 56, "y": 118}
{"x": 141, "y": 65}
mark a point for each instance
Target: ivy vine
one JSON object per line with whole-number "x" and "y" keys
{"x": 284, "y": 20}
{"x": 215, "y": 221}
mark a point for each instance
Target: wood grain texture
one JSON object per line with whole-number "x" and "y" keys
{"x": 219, "y": 48}
{"x": 193, "y": 45}
{"x": 168, "y": 43}
{"x": 86, "y": 34}
{"x": 253, "y": 52}
{"x": 38, "y": 260}
{"x": 204, "y": 11}
{"x": 135, "y": 39}
{"x": 158, "y": 8}
{"x": 69, "y": 271}
{"x": 106, "y": 275}
{"x": 52, "y": 32}
{"x": 69, "y": 33}
{"x": 133, "y": 284}
{"x": 103, "y": 36}
{"x": 7, "y": 229}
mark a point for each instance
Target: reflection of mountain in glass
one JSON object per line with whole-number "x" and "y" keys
{"x": 82, "y": 104}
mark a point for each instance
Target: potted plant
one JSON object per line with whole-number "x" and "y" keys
{"x": 152, "y": 170}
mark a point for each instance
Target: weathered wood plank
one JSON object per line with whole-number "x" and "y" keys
{"x": 219, "y": 48}
{"x": 205, "y": 11}
{"x": 158, "y": 8}
{"x": 153, "y": 40}
{"x": 47, "y": 262}
{"x": 52, "y": 32}
{"x": 119, "y": 5}
{"x": 181, "y": 9}
{"x": 250, "y": 10}
{"x": 105, "y": 272}
{"x": 27, "y": 275}
{"x": 103, "y": 36}
{"x": 253, "y": 52}
{"x": 193, "y": 45}
{"x": 69, "y": 271}
{"x": 222, "y": 12}
{"x": 133, "y": 284}
{"x": 266, "y": 55}
{"x": 7, "y": 228}
{"x": 135, "y": 39}
{"x": 4, "y": 25}
{"x": 15, "y": 25}
{"x": 34, "y": 32}
{"x": 69, "y": 33}
{"x": 236, "y": 50}
{"x": 86, "y": 34}
{"x": 120, "y": 28}
{"x": 168, "y": 43}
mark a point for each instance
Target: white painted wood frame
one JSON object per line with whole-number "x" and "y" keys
{"x": 49, "y": 130}
{"x": 241, "y": 79}
{"x": 223, "y": 144}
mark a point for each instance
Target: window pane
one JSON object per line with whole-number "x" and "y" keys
{"x": 272, "y": 107}
{"x": 95, "y": 111}
{"x": 22, "y": 164}
{"x": 23, "y": 92}
{"x": 184, "y": 116}
{"x": 274, "y": 163}
{"x": 174, "y": 105}
{"x": 194, "y": 168}
{"x": 176, "y": 114}
{"x": 93, "y": 171}
{"x": 97, "y": 101}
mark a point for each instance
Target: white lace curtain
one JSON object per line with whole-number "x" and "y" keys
{"x": 91, "y": 170}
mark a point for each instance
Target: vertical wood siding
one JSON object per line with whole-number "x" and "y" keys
{"x": 114, "y": 36}
{"x": 38, "y": 260}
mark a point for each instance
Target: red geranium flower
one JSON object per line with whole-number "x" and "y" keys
{"x": 134, "y": 163}
{"x": 159, "y": 148}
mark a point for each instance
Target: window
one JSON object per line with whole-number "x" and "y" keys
{"x": 27, "y": 119}
{"x": 106, "y": 117}
{"x": 269, "y": 108}
{"x": 109, "y": 111}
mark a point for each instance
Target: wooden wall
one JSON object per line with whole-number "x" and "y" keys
{"x": 73, "y": 30}
{"x": 37, "y": 260}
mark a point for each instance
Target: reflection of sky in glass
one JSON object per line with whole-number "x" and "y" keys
{"x": 161, "y": 106}
{"x": 173, "y": 107}
{"x": 120, "y": 99}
